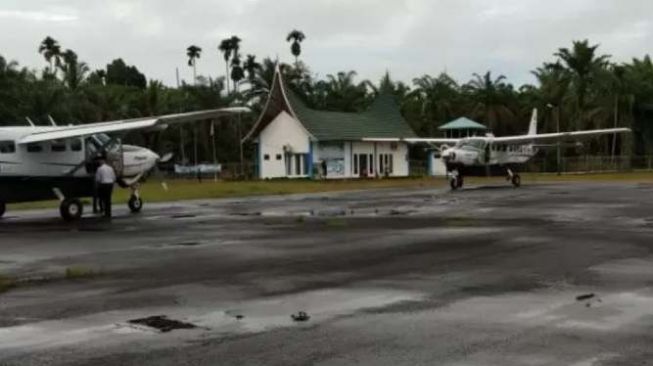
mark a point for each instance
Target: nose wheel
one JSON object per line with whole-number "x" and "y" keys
{"x": 456, "y": 180}
{"x": 514, "y": 178}
{"x": 135, "y": 203}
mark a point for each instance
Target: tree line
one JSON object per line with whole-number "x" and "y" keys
{"x": 578, "y": 88}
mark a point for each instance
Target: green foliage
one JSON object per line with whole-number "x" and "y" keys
{"x": 119, "y": 73}
{"x": 578, "y": 88}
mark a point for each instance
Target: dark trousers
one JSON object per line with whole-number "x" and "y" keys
{"x": 104, "y": 193}
{"x": 97, "y": 204}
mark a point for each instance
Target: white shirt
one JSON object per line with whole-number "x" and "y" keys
{"x": 105, "y": 174}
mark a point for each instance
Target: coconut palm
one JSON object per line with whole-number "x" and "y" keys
{"x": 583, "y": 62}
{"x": 193, "y": 52}
{"x": 296, "y": 37}
{"x": 226, "y": 47}
{"x": 73, "y": 70}
{"x": 436, "y": 98}
{"x": 489, "y": 97}
{"x": 251, "y": 66}
{"x": 51, "y": 50}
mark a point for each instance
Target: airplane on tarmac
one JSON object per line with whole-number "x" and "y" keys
{"x": 500, "y": 155}
{"x": 46, "y": 162}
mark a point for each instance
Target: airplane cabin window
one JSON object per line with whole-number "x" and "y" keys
{"x": 76, "y": 145}
{"x": 266, "y": 157}
{"x": 34, "y": 148}
{"x": 7, "y": 147}
{"x": 58, "y": 145}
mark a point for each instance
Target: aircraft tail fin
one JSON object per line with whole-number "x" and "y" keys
{"x": 532, "y": 128}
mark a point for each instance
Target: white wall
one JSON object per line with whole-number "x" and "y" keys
{"x": 284, "y": 130}
{"x": 399, "y": 152}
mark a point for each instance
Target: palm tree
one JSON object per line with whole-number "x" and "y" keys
{"x": 582, "y": 61}
{"x": 193, "y": 52}
{"x": 251, "y": 66}
{"x": 51, "y": 50}
{"x": 296, "y": 37}
{"x": 73, "y": 71}
{"x": 554, "y": 81}
{"x": 490, "y": 99}
{"x": 437, "y": 98}
{"x": 342, "y": 93}
{"x": 237, "y": 72}
{"x": 226, "y": 48}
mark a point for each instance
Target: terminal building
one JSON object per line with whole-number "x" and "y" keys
{"x": 295, "y": 141}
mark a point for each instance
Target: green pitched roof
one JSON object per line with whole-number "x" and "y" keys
{"x": 382, "y": 119}
{"x": 462, "y": 123}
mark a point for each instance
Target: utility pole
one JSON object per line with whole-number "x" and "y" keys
{"x": 558, "y": 128}
{"x": 181, "y": 129}
{"x": 215, "y": 156}
{"x": 240, "y": 142}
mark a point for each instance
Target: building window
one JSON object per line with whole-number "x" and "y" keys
{"x": 266, "y": 157}
{"x": 58, "y": 145}
{"x": 385, "y": 164}
{"x": 34, "y": 148}
{"x": 298, "y": 164}
{"x": 7, "y": 147}
{"x": 279, "y": 157}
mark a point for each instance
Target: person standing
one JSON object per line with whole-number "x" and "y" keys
{"x": 105, "y": 177}
{"x": 324, "y": 169}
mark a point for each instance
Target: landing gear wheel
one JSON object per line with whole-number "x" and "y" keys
{"x": 3, "y": 208}
{"x": 516, "y": 180}
{"x": 456, "y": 182}
{"x": 135, "y": 204}
{"x": 71, "y": 209}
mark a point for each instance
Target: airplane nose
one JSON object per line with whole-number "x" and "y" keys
{"x": 154, "y": 156}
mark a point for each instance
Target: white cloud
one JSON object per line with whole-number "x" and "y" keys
{"x": 407, "y": 37}
{"x": 37, "y": 16}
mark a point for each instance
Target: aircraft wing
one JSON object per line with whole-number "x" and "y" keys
{"x": 553, "y": 137}
{"x": 415, "y": 140}
{"x": 64, "y": 132}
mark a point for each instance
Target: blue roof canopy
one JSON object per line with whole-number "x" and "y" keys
{"x": 462, "y": 123}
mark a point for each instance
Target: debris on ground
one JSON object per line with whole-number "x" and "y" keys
{"x": 239, "y": 316}
{"x": 300, "y": 316}
{"x": 162, "y": 323}
{"x": 585, "y": 297}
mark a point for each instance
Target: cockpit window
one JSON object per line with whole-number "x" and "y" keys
{"x": 7, "y": 147}
{"x": 471, "y": 144}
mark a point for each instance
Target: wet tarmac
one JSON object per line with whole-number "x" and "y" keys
{"x": 541, "y": 275}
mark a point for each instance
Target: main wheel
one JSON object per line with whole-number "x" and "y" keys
{"x": 516, "y": 180}
{"x": 71, "y": 209}
{"x": 456, "y": 182}
{"x": 3, "y": 208}
{"x": 135, "y": 204}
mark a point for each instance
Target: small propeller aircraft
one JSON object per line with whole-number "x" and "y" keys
{"x": 46, "y": 162}
{"x": 488, "y": 155}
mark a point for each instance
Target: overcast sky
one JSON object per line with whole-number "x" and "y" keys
{"x": 407, "y": 37}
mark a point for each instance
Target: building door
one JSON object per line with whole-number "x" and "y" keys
{"x": 362, "y": 165}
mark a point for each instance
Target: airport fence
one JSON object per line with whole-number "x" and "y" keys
{"x": 574, "y": 164}
{"x": 547, "y": 164}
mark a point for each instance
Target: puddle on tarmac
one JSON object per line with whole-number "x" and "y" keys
{"x": 319, "y": 305}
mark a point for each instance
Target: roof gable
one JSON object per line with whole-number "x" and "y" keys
{"x": 382, "y": 119}
{"x": 462, "y": 123}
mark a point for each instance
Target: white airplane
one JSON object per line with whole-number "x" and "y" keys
{"x": 47, "y": 162}
{"x": 500, "y": 155}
